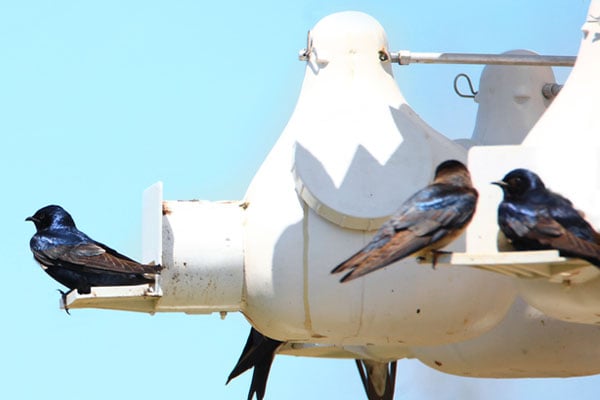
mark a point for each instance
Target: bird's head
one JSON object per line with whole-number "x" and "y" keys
{"x": 519, "y": 182}
{"x": 453, "y": 172}
{"x": 51, "y": 216}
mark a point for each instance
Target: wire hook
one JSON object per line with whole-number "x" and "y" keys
{"x": 473, "y": 92}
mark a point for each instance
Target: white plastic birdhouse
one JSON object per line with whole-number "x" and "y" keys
{"x": 351, "y": 153}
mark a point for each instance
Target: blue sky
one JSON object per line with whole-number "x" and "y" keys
{"x": 98, "y": 100}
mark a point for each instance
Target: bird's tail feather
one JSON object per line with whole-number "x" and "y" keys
{"x": 384, "y": 256}
{"x": 351, "y": 262}
{"x": 258, "y": 353}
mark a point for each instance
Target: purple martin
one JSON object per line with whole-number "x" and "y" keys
{"x": 258, "y": 353}
{"x": 426, "y": 222}
{"x": 75, "y": 260}
{"x": 534, "y": 218}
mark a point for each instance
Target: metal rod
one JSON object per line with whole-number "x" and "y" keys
{"x": 405, "y": 57}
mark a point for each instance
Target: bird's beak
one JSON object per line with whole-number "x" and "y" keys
{"x": 502, "y": 184}
{"x": 30, "y": 219}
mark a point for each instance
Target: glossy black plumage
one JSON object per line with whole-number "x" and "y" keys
{"x": 535, "y": 218}
{"x": 258, "y": 353}
{"x": 77, "y": 261}
{"x": 428, "y": 220}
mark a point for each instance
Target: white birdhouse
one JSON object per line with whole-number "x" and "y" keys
{"x": 351, "y": 153}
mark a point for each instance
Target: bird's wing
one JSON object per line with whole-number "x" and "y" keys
{"x": 94, "y": 256}
{"x": 424, "y": 220}
{"x": 258, "y": 353}
{"x": 402, "y": 244}
{"x": 439, "y": 207}
{"x": 549, "y": 232}
{"x": 566, "y": 215}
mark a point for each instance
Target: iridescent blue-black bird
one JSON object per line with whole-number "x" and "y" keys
{"x": 77, "y": 261}
{"x": 535, "y": 218}
{"x": 258, "y": 353}
{"x": 429, "y": 220}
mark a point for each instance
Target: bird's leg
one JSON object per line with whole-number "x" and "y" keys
{"x": 378, "y": 379}
{"x": 64, "y": 295}
{"x": 83, "y": 286}
{"x": 435, "y": 254}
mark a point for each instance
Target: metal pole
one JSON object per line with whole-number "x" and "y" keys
{"x": 405, "y": 57}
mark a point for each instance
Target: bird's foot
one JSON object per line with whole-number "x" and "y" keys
{"x": 64, "y": 295}
{"x": 435, "y": 254}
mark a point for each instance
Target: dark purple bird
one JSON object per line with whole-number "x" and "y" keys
{"x": 77, "y": 261}
{"x": 429, "y": 220}
{"x": 535, "y": 218}
{"x": 258, "y": 353}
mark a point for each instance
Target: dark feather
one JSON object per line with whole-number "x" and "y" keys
{"x": 396, "y": 248}
{"x": 535, "y": 218}
{"x": 93, "y": 256}
{"x": 428, "y": 220}
{"x": 258, "y": 353}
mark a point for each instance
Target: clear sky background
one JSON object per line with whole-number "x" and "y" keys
{"x": 98, "y": 100}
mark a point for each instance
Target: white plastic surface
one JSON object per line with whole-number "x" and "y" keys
{"x": 140, "y": 298}
{"x": 361, "y": 150}
{"x": 380, "y": 353}
{"x": 545, "y": 264}
{"x": 152, "y": 223}
{"x": 203, "y": 255}
{"x": 572, "y": 120}
{"x": 526, "y": 344}
{"x": 510, "y": 102}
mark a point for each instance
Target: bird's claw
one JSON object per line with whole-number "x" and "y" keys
{"x": 64, "y": 295}
{"x": 435, "y": 254}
